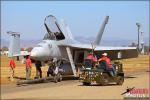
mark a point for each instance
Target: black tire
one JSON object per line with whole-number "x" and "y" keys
{"x": 120, "y": 80}
{"x": 55, "y": 79}
{"x": 104, "y": 79}
{"x": 86, "y": 83}
{"x": 59, "y": 77}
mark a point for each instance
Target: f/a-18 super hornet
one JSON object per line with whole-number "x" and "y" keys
{"x": 59, "y": 43}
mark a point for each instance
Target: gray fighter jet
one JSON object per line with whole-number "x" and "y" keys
{"x": 59, "y": 43}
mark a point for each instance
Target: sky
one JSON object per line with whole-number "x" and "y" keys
{"x": 83, "y": 17}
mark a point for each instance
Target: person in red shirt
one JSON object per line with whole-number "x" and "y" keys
{"x": 12, "y": 66}
{"x": 91, "y": 57}
{"x": 28, "y": 67}
{"x": 106, "y": 59}
{"x": 109, "y": 65}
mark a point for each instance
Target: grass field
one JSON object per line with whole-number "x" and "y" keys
{"x": 142, "y": 63}
{"x": 19, "y": 70}
{"x": 129, "y": 65}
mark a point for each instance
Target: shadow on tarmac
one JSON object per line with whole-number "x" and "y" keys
{"x": 110, "y": 84}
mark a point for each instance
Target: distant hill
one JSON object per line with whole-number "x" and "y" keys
{"x": 110, "y": 42}
{"x": 87, "y": 40}
{"x": 4, "y": 43}
{"x": 23, "y": 43}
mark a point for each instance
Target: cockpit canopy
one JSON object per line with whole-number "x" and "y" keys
{"x": 53, "y": 29}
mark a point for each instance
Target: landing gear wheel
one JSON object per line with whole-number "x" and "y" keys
{"x": 120, "y": 80}
{"x": 104, "y": 79}
{"x": 55, "y": 79}
{"x": 86, "y": 83}
{"x": 59, "y": 77}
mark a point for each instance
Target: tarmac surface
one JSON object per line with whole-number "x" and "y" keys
{"x": 73, "y": 89}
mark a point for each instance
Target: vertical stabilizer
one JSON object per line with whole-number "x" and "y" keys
{"x": 14, "y": 46}
{"x": 100, "y": 33}
{"x": 66, "y": 29}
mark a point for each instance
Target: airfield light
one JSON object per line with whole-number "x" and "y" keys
{"x": 138, "y": 25}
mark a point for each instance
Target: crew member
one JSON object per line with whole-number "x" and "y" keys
{"x": 56, "y": 64}
{"x": 12, "y": 66}
{"x": 28, "y": 67}
{"x": 110, "y": 67}
{"x": 38, "y": 66}
{"x": 91, "y": 57}
{"x": 53, "y": 67}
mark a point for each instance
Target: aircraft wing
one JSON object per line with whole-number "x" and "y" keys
{"x": 100, "y": 48}
{"x": 126, "y": 52}
{"x": 22, "y": 54}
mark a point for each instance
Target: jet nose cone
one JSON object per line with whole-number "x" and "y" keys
{"x": 38, "y": 53}
{"x": 33, "y": 54}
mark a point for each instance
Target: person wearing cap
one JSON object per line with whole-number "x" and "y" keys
{"x": 12, "y": 66}
{"x": 28, "y": 67}
{"x": 110, "y": 67}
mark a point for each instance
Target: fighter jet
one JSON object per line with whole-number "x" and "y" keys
{"x": 59, "y": 43}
